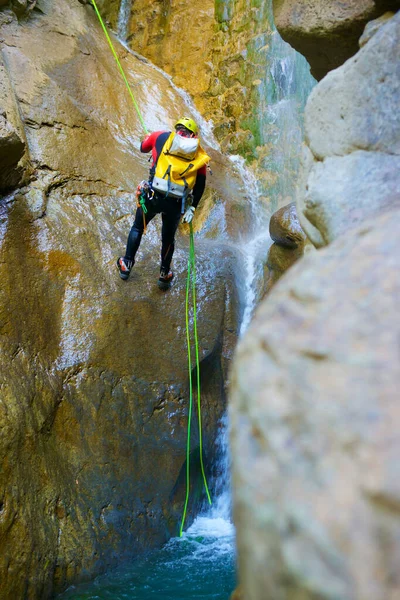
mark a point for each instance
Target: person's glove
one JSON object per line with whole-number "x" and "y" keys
{"x": 188, "y": 216}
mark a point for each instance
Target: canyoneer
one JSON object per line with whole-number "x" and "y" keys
{"x": 176, "y": 184}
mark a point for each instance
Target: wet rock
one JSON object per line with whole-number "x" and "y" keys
{"x": 14, "y": 165}
{"x": 314, "y": 416}
{"x": 289, "y": 245}
{"x": 93, "y": 370}
{"x": 220, "y": 64}
{"x": 351, "y": 169}
{"x": 279, "y": 260}
{"x": 326, "y": 33}
{"x": 285, "y": 229}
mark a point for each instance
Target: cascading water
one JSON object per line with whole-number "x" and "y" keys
{"x": 201, "y": 564}
{"x": 123, "y": 19}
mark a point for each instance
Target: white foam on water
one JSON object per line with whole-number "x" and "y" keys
{"x": 215, "y": 527}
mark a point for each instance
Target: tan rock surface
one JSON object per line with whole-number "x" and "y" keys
{"x": 315, "y": 419}
{"x": 219, "y": 52}
{"x": 352, "y": 126}
{"x": 93, "y": 370}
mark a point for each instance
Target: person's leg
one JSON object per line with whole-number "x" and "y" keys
{"x": 136, "y": 232}
{"x": 125, "y": 263}
{"x": 170, "y": 222}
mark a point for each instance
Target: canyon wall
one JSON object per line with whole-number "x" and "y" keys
{"x": 313, "y": 404}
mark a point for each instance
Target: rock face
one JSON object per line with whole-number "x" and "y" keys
{"x": 315, "y": 419}
{"x": 326, "y": 33}
{"x": 222, "y": 53}
{"x": 93, "y": 370}
{"x": 351, "y": 164}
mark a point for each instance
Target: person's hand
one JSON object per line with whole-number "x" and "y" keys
{"x": 188, "y": 216}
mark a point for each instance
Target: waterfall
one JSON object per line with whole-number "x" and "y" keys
{"x": 201, "y": 563}
{"x": 123, "y": 19}
{"x": 283, "y": 92}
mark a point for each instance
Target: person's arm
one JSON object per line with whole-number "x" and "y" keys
{"x": 199, "y": 186}
{"x": 149, "y": 141}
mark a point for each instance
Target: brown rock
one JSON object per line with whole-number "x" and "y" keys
{"x": 290, "y": 243}
{"x": 315, "y": 419}
{"x": 237, "y": 594}
{"x": 285, "y": 228}
{"x": 93, "y": 370}
{"x": 14, "y": 164}
{"x": 326, "y": 33}
{"x": 279, "y": 260}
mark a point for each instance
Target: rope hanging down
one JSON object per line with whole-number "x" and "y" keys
{"x": 192, "y": 276}
{"x": 135, "y": 104}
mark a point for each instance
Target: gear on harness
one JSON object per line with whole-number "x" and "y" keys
{"x": 143, "y": 194}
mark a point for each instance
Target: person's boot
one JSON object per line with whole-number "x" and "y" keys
{"x": 164, "y": 281}
{"x": 124, "y": 267}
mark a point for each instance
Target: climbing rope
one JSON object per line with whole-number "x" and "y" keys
{"x": 191, "y": 277}
{"x": 120, "y": 67}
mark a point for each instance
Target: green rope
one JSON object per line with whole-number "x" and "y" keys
{"x": 190, "y": 402}
{"x": 120, "y": 67}
{"x": 191, "y": 276}
{"x": 196, "y": 341}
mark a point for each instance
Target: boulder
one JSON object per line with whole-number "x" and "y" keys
{"x": 289, "y": 245}
{"x": 315, "y": 418}
{"x": 326, "y": 33}
{"x": 352, "y": 127}
{"x": 285, "y": 229}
